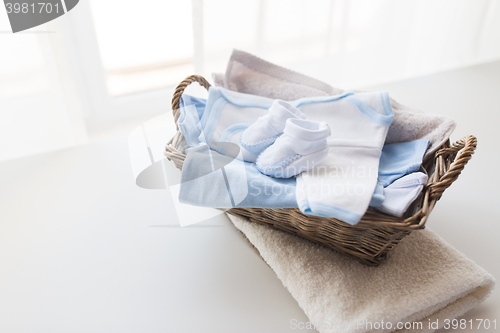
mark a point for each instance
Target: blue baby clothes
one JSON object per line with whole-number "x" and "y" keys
{"x": 210, "y": 179}
{"x": 359, "y": 123}
{"x": 397, "y": 160}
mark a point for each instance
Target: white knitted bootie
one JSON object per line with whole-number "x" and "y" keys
{"x": 268, "y": 128}
{"x": 302, "y": 146}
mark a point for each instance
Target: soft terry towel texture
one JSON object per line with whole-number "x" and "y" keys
{"x": 423, "y": 279}
{"x": 249, "y": 74}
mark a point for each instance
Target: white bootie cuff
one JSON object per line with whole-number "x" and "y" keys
{"x": 306, "y": 136}
{"x": 268, "y": 128}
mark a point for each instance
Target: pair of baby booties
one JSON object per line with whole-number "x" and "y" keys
{"x": 286, "y": 141}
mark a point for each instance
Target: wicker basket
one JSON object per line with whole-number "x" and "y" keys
{"x": 376, "y": 234}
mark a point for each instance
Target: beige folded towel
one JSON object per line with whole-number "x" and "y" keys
{"x": 424, "y": 280}
{"x": 249, "y": 74}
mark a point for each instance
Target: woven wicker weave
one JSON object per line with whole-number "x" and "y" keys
{"x": 376, "y": 234}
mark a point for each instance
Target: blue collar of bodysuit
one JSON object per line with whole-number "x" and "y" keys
{"x": 247, "y": 100}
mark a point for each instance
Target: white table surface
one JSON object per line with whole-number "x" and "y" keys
{"x": 83, "y": 249}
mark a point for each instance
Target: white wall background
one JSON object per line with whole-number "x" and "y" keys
{"x": 115, "y": 59}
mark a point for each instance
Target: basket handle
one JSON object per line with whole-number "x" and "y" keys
{"x": 176, "y": 99}
{"x": 466, "y": 146}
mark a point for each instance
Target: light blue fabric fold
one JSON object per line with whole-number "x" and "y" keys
{"x": 399, "y": 159}
{"x": 396, "y": 161}
{"x": 189, "y": 122}
{"x": 210, "y": 179}
{"x": 198, "y": 102}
